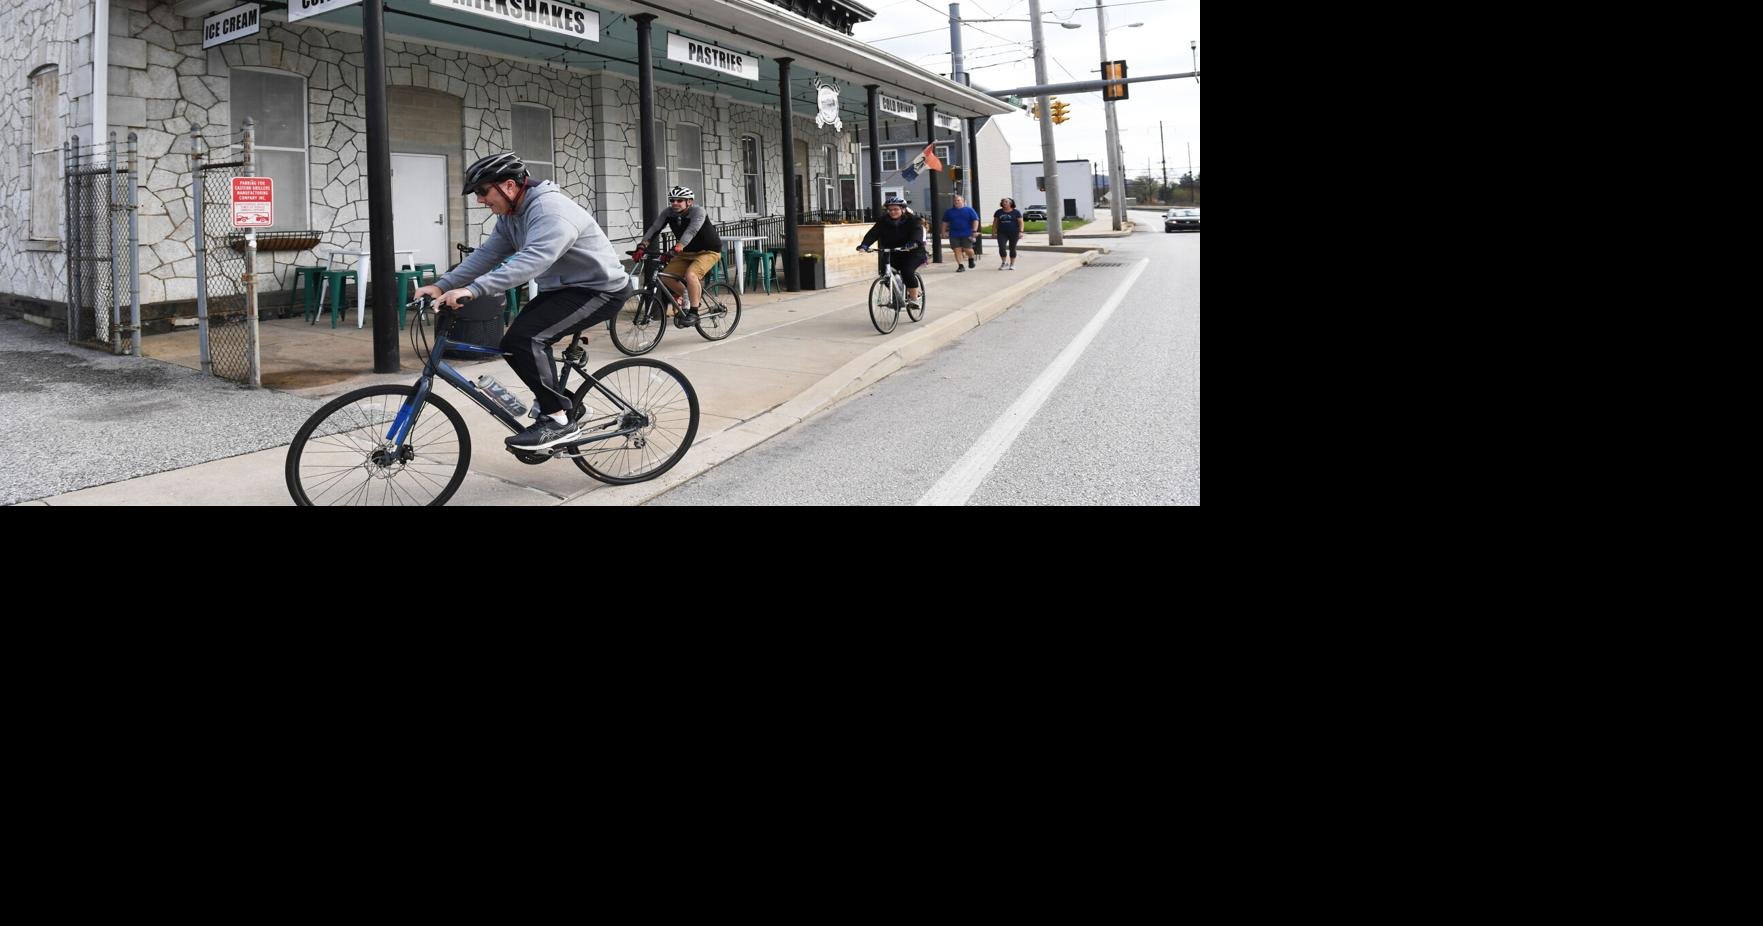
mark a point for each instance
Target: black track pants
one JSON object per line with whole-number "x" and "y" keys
{"x": 547, "y": 320}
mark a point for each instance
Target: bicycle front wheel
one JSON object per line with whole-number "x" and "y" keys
{"x": 720, "y": 313}
{"x": 638, "y": 326}
{"x": 883, "y": 312}
{"x": 665, "y": 414}
{"x": 918, "y": 313}
{"x": 343, "y": 454}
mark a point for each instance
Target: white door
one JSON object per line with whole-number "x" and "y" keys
{"x": 419, "y": 207}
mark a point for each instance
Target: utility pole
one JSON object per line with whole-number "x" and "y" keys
{"x": 958, "y": 64}
{"x": 1117, "y": 208}
{"x": 1049, "y": 161}
{"x": 1190, "y": 171}
{"x": 1165, "y": 146}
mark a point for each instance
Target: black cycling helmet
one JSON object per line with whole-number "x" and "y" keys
{"x": 493, "y": 169}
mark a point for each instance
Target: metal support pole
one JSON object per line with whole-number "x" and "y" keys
{"x": 112, "y": 311}
{"x": 70, "y": 164}
{"x": 380, "y": 237}
{"x": 1116, "y": 209}
{"x": 792, "y": 276}
{"x": 1049, "y": 159}
{"x": 134, "y": 244}
{"x": 875, "y": 181}
{"x": 201, "y": 221}
{"x": 936, "y": 208}
{"x": 253, "y": 374}
{"x": 979, "y": 240}
{"x": 646, "y": 113}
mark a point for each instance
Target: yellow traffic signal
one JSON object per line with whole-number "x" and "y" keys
{"x": 1034, "y": 111}
{"x": 1061, "y": 112}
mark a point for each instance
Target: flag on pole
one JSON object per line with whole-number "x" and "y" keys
{"x": 926, "y": 158}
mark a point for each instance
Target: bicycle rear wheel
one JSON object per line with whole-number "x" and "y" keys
{"x": 666, "y": 414}
{"x": 884, "y": 313}
{"x": 341, "y": 455}
{"x": 638, "y": 326}
{"x": 918, "y": 313}
{"x": 720, "y": 311}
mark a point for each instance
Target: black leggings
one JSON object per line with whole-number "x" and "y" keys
{"x": 1007, "y": 245}
{"x": 907, "y": 265}
{"x": 544, "y": 322}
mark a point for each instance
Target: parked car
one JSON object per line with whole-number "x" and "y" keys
{"x": 1035, "y": 214}
{"x": 1182, "y": 220}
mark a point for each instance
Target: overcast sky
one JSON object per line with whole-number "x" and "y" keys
{"x": 1000, "y": 57}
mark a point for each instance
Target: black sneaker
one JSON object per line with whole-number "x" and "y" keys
{"x": 545, "y": 434}
{"x": 970, "y": 263}
{"x": 688, "y": 319}
{"x": 960, "y": 269}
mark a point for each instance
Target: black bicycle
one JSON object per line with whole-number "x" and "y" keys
{"x": 642, "y": 320}
{"x": 404, "y": 445}
{"x": 887, "y": 295}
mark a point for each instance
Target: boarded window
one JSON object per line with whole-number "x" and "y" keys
{"x": 534, "y": 142}
{"x": 277, "y": 102}
{"x": 45, "y": 155}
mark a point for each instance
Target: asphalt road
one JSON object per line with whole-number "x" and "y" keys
{"x": 1087, "y": 393}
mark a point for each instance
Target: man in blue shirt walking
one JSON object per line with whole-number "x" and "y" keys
{"x": 963, "y": 224}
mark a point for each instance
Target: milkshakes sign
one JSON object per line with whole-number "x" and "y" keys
{"x": 709, "y": 57}
{"x": 235, "y": 23}
{"x": 544, "y": 15}
{"x": 300, "y": 9}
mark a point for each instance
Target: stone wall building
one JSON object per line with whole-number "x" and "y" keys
{"x": 461, "y": 85}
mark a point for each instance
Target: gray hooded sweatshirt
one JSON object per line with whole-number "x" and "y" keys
{"x": 553, "y": 240}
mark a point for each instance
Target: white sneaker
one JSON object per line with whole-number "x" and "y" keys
{"x": 1003, "y": 266}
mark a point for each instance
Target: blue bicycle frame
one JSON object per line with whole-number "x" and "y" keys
{"x": 406, "y": 420}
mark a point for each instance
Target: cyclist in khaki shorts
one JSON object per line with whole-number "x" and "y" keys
{"x": 697, "y": 247}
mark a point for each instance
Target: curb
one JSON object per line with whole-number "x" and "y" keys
{"x": 871, "y": 367}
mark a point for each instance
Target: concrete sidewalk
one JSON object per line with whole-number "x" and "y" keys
{"x": 793, "y": 355}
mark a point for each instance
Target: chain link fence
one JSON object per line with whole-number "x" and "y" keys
{"x": 228, "y": 329}
{"x": 103, "y": 292}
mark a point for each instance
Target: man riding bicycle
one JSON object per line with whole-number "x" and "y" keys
{"x": 696, "y": 247}
{"x": 542, "y": 234}
{"x": 900, "y": 229}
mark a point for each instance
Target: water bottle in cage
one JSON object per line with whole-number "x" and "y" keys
{"x": 501, "y": 394}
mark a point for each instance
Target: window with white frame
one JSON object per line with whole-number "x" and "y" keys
{"x": 277, "y": 101}
{"x": 753, "y": 181}
{"x": 688, "y": 163}
{"x": 534, "y": 141}
{"x": 829, "y": 168}
{"x": 943, "y": 153}
{"x": 45, "y": 135}
{"x": 890, "y": 159}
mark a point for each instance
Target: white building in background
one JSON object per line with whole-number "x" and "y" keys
{"x": 1077, "y": 186}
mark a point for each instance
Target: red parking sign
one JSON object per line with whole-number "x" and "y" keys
{"x": 253, "y": 202}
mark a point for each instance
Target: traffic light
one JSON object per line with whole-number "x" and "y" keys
{"x": 954, "y": 174}
{"x": 1061, "y": 112}
{"x": 1114, "y": 70}
{"x": 1034, "y": 111}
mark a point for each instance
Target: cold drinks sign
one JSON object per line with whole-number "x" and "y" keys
{"x": 253, "y": 202}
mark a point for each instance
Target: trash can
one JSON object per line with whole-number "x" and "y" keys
{"x": 811, "y": 272}
{"x": 480, "y": 323}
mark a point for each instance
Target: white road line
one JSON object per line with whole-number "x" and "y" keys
{"x": 964, "y": 478}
